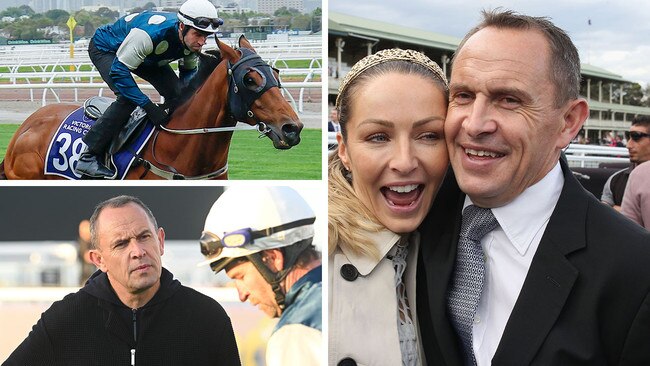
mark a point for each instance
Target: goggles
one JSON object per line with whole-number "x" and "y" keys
{"x": 637, "y": 136}
{"x": 212, "y": 244}
{"x": 203, "y": 22}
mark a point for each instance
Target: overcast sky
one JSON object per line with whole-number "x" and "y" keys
{"x": 617, "y": 40}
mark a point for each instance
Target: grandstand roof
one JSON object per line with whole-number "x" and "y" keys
{"x": 619, "y": 108}
{"x": 595, "y": 71}
{"x": 348, "y": 25}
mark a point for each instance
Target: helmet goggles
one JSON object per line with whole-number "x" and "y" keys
{"x": 203, "y": 22}
{"x": 212, "y": 244}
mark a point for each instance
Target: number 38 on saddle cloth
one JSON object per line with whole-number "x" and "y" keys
{"x": 67, "y": 145}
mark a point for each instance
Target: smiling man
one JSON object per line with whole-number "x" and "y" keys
{"x": 533, "y": 270}
{"x": 132, "y": 311}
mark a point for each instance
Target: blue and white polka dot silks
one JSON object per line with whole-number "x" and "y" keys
{"x": 467, "y": 284}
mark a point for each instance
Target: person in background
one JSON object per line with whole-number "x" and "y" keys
{"x": 390, "y": 162}
{"x": 132, "y": 311}
{"x": 143, "y": 44}
{"x": 639, "y": 148}
{"x": 267, "y": 250}
{"x": 87, "y": 266}
{"x": 636, "y": 201}
{"x": 333, "y": 123}
{"x": 523, "y": 266}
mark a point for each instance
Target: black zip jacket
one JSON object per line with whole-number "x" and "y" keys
{"x": 178, "y": 326}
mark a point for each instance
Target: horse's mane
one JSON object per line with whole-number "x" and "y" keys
{"x": 208, "y": 61}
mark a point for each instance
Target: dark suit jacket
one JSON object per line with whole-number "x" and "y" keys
{"x": 585, "y": 299}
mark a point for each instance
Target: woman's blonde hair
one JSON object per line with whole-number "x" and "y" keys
{"x": 348, "y": 218}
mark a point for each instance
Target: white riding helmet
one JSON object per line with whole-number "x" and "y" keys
{"x": 244, "y": 221}
{"x": 200, "y": 14}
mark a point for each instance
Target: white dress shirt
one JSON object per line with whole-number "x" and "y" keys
{"x": 509, "y": 251}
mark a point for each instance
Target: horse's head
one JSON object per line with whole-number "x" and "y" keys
{"x": 254, "y": 95}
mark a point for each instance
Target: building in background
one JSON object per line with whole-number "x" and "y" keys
{"x": 270, "y": 6}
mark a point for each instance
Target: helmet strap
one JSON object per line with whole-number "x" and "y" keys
{"x": 273, "y": 278}
{"x": 291, "y": 254}
{"x": 186, "y": 29}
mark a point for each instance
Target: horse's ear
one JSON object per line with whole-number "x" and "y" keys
{"x": 226, "y": 51}
{"x": 243, "y": 42}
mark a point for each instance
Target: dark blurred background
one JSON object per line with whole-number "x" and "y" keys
{"x": 36, "y": 213}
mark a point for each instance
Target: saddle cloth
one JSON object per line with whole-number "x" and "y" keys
{"x": 67, "y": 145}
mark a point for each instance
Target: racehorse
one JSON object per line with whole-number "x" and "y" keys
{"x": 194, "y": 143}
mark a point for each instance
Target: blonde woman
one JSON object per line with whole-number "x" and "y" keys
{"x": 390, "y": 163}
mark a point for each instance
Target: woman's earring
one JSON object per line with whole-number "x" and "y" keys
{"x": 348, "y": 175}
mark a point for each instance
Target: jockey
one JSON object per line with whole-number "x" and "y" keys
{"x": 267, "y": 250}
{"x": 143, "y": 44}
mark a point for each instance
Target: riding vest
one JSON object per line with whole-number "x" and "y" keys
{"x": 617, "y": 184}
{"x": 148, "y": 39}
{"x": 297, "y": 338}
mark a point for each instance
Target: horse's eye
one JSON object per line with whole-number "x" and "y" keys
{"x": 254, "y": 81}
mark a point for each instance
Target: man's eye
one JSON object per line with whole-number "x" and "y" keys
{"x": 462, "y": 97}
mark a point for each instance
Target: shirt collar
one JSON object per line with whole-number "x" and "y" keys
{"x": 522, "y": 218}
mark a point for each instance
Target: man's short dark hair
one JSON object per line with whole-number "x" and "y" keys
{"x": 116, "y": 202}
{"x": 564, "y": 58}
{"x": 641, "y": 121}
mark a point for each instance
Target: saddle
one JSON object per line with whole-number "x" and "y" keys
{"x": 94, "y": 107}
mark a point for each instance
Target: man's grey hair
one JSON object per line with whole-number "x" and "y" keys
{"x": 564, "y": 58}
{"x": 116, "y": 202}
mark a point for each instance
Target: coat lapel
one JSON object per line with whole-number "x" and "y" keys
{"x": 550, "y": 278}
{"x": 440, "y": 230}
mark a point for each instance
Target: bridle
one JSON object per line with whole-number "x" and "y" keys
{"x": 240, "y": 99}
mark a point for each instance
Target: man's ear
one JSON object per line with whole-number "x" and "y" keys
{"x": 574, "y": 117}
{"x": 97, "y": 259}
{"x": 274, "y": 259}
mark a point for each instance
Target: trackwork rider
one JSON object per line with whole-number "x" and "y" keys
{"x": 143, "y": 44}
{"x": 267, "y": 250}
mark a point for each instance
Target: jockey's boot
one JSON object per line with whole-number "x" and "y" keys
{"x": 90, "y": 166}
{"x": 99, "y": 139}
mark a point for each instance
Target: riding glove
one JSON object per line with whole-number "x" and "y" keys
{"x": 156, "y": 114}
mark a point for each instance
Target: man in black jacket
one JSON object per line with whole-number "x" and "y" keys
{"x": 132, "y": 311}
{"x": 524, "y": 267}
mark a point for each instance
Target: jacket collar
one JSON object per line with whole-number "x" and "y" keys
{"x": 383, "y": 241}
{"x": 99, "y": 286}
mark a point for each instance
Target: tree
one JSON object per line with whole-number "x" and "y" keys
{"x": 149, "y": 6}
{"x": 283, "y": 11}
{"x": 57, "y": 15}
{"x": 316, "y": 20}
{"x": 105, "y": 12}
{"x": 301, "y": 22}
{"x": 632, "y": 94}
{"x": 16, "y": 12}
{"x": 26, "y": 10}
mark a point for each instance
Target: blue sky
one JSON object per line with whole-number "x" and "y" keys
{"x": 617, "y": 40}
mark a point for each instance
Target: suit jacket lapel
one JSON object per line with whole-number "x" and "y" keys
{"x": 550, "y": 278}
{"x": 438, "y": 254}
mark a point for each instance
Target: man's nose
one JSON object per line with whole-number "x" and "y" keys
{"x": 243, "y": 293}
{"x": 137, "y": 249}
{"x": 479, "y": 121}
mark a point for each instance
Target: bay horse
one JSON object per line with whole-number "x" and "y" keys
{"x": 195, "y": 142}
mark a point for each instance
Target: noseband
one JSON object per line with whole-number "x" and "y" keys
{"x": 240, "y": 98}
